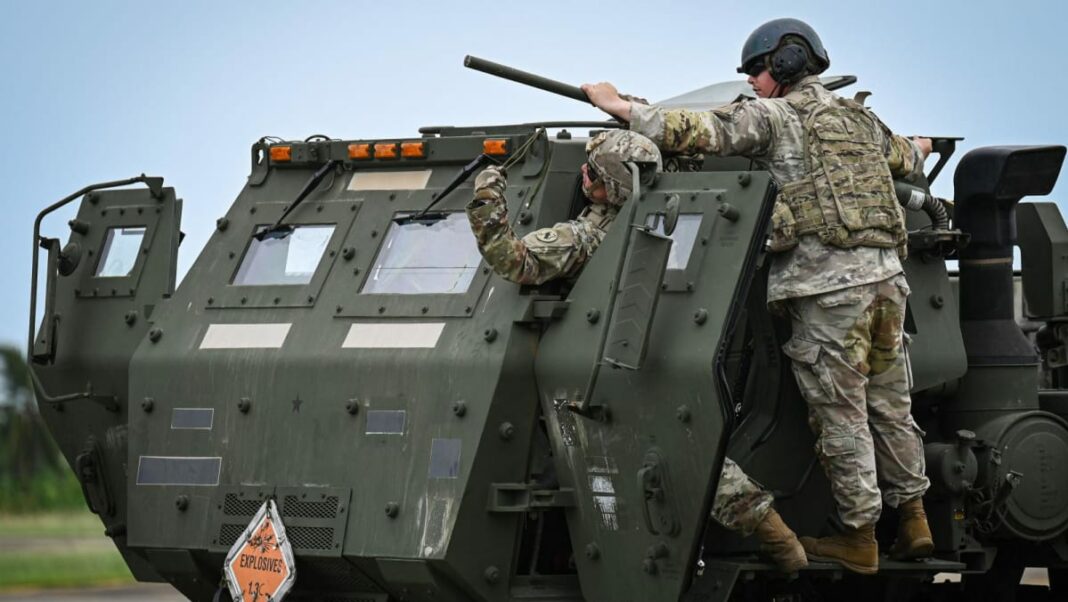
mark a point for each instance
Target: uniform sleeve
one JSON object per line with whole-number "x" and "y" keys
{"x": 538, "y": 257}
{"x": 743, "y": 128}
{"x": 903, "y": 156}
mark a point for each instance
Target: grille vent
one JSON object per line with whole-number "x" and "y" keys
{"x": 295, "y": 507}
{"x": 237, "y": 506}
{"x": 311, "y": 538}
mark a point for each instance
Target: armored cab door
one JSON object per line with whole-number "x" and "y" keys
{"x": 101, "y": 288}
{"x": 644, "y": 460}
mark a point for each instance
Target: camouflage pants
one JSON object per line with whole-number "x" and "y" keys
{"x": 849, "y": 364}
{"x": 740, "y": 503}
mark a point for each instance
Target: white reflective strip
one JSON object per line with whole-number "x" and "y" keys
{"x": 245, "y": 336}
{"x": 393, "y": 336}
{"x": 389, "y": 180}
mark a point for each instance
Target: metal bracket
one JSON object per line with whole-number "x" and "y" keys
{"x": 89, "y": 469}
{"x": 526, "y": 497}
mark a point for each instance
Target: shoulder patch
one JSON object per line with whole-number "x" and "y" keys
{"x": 546, "y": 235}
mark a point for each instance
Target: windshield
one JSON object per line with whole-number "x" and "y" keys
{"x": 289, "y": 260}
{"x": 418, "y": 259}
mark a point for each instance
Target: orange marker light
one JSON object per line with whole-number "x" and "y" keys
{"x": 281, "y": 153}
{"x": 495, "y": 146}
{"x": 359, "y": 151}
{"x": 412, "y": 150}
{"x": 386, "y": 150}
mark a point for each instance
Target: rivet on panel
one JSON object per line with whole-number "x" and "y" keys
{"x": 683, "y": 414}
{"x": 352, "y": 406}
{"x": 525, "y": 217}
{"x": 392, "y": 509}
{"x": 937, "y": 301}
{"x": 130, "y": 317}
{"x": 744, "y": 179}
{"x": 244, "y": 405}
{"x": 492, "y": 574}
{"x": 147, "y": 404}
{"x": 155, "y": 335}
{"x": 222, "y": 224}
{"x": 348, "y": 253}
{"x": 593, "y": 315}
{"x": 700, "y": 316}
{"x": 490, "y": 335}
{"x": 506, "y": 431}
{"x": 592, "y": 551}
{"x": 181, "y": 503}
{"x": 729, "y": 212}
{"x": 459, "y": 409}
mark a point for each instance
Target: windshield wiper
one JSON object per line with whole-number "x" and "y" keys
{"x": 280, "y": 230}
{"x": 426, "y": 217}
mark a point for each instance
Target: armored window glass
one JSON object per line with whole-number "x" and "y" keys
{"x": 684, "y": 237}
{"x": 289, "y": 260}
{"x": 122, "y": 246}
{"x": 417, "y": 259}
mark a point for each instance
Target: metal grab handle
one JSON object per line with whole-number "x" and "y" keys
{"x": 651, "y": 491}
{"x": 44, "y": 348}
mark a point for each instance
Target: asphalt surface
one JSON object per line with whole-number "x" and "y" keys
{"x": 149, "y": 592}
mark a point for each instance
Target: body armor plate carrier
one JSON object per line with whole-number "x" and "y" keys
{"x": 846, "y": 197}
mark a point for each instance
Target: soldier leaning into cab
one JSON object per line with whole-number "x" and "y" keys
{"x": 837, "y": 231}
{"x": 562, "y": 250}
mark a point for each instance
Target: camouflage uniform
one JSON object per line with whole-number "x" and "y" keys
{"x": 542, "y": 255}
{"x": 561, "y": 251}
{"x": 740, "y": 503}
{"x": 846, "y": 304}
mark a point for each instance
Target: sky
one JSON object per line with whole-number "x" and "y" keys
{"x": 103, "y": 90}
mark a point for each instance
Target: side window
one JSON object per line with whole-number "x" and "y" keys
{"x": 418, "y": 259}
{"x": 122, "y": 247}
{"x": 289, "y": 260}
{"x": 684, "y": 237}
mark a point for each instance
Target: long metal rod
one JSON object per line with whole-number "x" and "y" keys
{"x": 523, "y": 77}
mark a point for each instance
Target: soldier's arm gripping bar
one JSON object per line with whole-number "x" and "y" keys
{"x": 522, "y": 77}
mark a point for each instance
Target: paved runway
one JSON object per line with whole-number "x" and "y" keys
{"x": 149, "y": 592}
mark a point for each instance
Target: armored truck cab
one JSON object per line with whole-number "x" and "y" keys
{"x": 429, "y": 431}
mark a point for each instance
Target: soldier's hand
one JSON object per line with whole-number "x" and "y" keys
{"x": 492, "y": 177}
{"x": 925, "y": 145}
{"x": 604, "y": 96}
{"x": 634, "y": 99}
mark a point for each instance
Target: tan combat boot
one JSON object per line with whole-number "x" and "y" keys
{"x": 780, "y": 544}
{"x": 913, "y": 535}
{"x": 856, "y": 549}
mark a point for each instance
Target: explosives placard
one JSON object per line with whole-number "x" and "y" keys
{"x": 260, "y": 565}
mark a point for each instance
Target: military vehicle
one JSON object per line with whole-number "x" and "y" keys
{"x": 425, "y": 430}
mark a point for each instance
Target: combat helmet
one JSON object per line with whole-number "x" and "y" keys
{"x": 608, "y": 153}
{"x": 769, "y": 37}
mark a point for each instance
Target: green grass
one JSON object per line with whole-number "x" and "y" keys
{"x": 62, "y": 569}
{"x": 49, "y": 490}
{"x": 71, "y": 523}
{"x": 58, "y": 549}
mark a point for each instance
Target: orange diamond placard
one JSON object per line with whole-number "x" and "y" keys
{"x": 260, "y": 565}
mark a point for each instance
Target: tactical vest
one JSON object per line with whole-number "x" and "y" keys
{"x": 846, "y": 196}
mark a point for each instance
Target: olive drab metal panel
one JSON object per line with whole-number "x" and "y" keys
{"x": 644, "y": 462}
{"x": 117, "y": 266}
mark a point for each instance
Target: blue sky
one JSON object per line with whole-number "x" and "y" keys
{"x": 102, "y": 90}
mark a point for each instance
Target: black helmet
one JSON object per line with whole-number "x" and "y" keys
{"x": 766, "y": 39}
